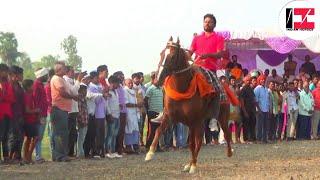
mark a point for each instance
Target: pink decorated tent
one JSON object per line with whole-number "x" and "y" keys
{"x": 262, "y": 50}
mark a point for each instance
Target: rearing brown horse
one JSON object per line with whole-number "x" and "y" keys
{"x": 193, "y": 111}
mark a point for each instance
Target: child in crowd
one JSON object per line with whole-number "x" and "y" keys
{"x": 113, "y": 121}
{"x": 82, "y": 119}
{"x": 31, "y": 117}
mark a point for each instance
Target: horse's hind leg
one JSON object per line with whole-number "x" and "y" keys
{"x": 163, "y": 126}
{"x": 223, "y": 121}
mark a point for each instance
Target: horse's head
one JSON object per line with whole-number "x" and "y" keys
{"x": 175, "y": 62}
{"x": 177, "y": 59}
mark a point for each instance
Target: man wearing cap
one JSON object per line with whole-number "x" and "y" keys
{"x": 263, "y": 106}
{"x": 41, "y": 103}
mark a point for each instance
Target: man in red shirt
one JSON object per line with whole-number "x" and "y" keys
{"x": 103, "y": 75}
{"x": 41, "y": 103}
{"x": 316, "y": 113}
{"x": 15, "y": 140}
{"x": 208, "y": 46}
{"x": 6, "y": 100}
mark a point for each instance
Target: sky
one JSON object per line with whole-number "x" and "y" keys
{"x": 126, "y": 35}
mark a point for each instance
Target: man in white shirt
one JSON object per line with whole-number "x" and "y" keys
{"x": 73, "y": 87}
{"x": 140, "y": 93}
{"x": 291, "y": 98}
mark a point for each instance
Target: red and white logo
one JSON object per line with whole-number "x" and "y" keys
{"x": 299, "y": 19}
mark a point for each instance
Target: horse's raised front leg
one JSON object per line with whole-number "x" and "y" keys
{"x": 223, "y": 121}
{"x": 163, "y": 126}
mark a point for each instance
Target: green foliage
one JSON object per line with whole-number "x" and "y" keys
{"x": 28, "y": 74}
{"x": 69, "y": 45}
{"x": 46, "y": 61}
{"x": 24, "y": 61}
{"x": 8, "y": 48}
{"x": 147, "y": 78}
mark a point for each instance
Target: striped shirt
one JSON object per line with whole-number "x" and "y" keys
{"x": 155, "y": 99}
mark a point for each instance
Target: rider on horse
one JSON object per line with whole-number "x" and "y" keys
{"x": 208, "y": 47}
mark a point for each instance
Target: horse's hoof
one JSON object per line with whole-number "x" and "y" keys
{"x": 230, "y": 153}
{"x": 192, "y": 169}
{"x": 149, "y": 156}
{"x": 186, "y": 168}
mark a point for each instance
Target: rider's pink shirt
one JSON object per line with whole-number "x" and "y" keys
{"x": 204, "y": 44}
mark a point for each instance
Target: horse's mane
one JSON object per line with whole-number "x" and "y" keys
{"x": 177, "y": 61}
{"x": 174, "y": 63}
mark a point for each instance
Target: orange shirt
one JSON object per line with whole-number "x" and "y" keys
{"x": 62, "y": 103}
{"x": 236, "y": 72}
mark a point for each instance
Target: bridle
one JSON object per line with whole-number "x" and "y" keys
{"x": 185, "y": 69}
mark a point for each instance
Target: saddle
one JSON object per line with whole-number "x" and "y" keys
{"x": 206, "y": 82}
{"x": 226, "y": 95}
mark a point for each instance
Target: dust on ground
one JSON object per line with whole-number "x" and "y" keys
{"x": 286, "y": 160}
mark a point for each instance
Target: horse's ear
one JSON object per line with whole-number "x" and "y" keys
{"x": 178, "y": 41}
{"x": 170, "y": 39}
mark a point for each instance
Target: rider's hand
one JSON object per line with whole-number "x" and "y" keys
{"x": 204, "y": 56}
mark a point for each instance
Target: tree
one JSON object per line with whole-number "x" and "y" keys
{"x": 46, "y": 61}
{"x": 8, "y": 48}
{"x": 24, "y": 61}
{"x": 147, "y": 78}
{"x": 69, "y": 45}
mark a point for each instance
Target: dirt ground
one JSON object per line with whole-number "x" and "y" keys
{"x": 293, "y": 160}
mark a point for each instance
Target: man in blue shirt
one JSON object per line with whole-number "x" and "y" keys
{"x": 263, "y": 107}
